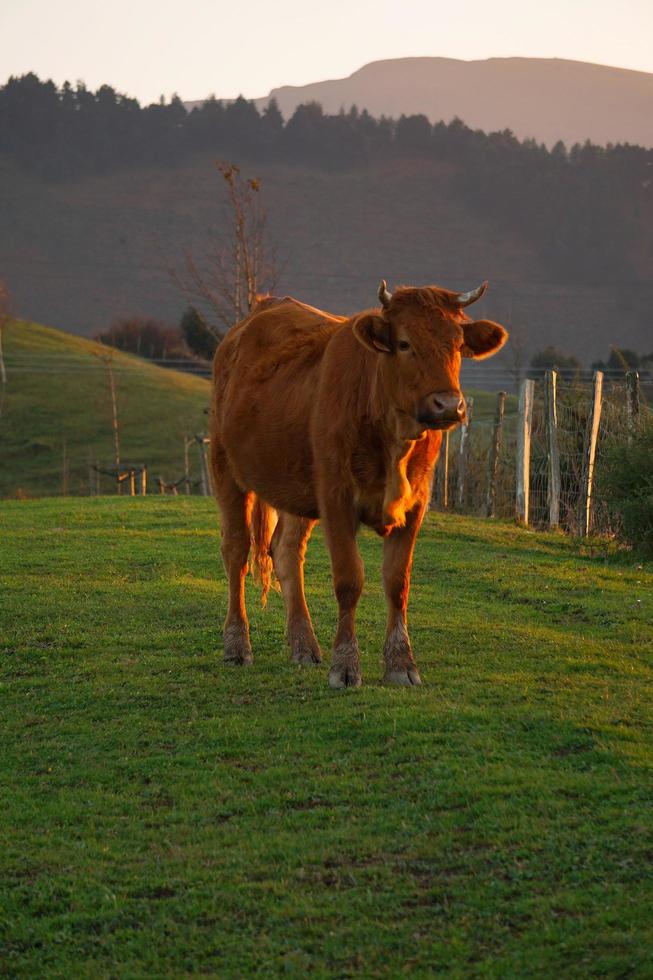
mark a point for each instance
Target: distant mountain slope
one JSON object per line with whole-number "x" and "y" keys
{"x": 57, "y": 404}
{"x": 549, "y": 99}
{"x": 78, "y": 255}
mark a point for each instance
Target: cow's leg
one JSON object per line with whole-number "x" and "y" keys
{"x": 288, "y": 549}
{"x": 400, "y": 667}
{"x": 347, "y": 568}
{"x": 235, "y": 507}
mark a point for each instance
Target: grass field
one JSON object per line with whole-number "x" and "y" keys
{"x": 165, "y": 816}
{"x": 57, "y": 412}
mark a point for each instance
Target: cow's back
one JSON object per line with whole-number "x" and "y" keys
{"x": 266, "y": 373}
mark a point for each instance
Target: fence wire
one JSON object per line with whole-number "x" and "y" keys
{"x": 574, "y": 407}
{"x": 47, "y": 461}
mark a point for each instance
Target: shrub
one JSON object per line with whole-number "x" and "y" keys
{"x": 624, "y": 480}
{"x": 198, "y": 336}
{"x": 145, "y": 337}
{"x": 551, "y": 359}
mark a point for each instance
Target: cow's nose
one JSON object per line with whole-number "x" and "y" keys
{"x": 451, "y": 406}
{"x": 442, "y": 406}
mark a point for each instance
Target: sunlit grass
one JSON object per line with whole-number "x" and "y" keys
{"x": 163, "y": 815}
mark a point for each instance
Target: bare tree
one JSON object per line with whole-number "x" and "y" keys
{"x": 241, "y": 261}
{"x": 107, "y": 360}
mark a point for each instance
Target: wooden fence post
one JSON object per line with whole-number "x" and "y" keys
{"x": 64, "y": 469}
{"x": 186, "y": 464}
{"x": 204, "y": 470}
{"x": 495, "y": 452}
{"x": 589, "y": 454}
{"x": 553, "y": 452}
{"x": 144, "y": 479}
{"x": 524, "y": 429}
{"x": 445, "y": 472}
{"x": 463, "y": 454}
{"x": 440, "y": 493}
{"x": 632, "y": 401}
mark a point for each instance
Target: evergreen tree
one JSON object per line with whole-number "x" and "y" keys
{"x": 271, "y": 127}
{"x": 552, "y": 359}
{"x": 199, "y": 339}
{"x": 414, "y": 134}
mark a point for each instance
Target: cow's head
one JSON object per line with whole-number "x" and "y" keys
{"x": 420, "y": 337}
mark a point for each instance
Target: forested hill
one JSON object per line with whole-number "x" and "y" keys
{"x": 544, "y": 98}
{"x": 573, "y": 219}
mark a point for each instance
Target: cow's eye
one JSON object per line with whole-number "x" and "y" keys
{"x": 403, "y": 345}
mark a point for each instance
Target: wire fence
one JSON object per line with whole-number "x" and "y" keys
{"x": 57, "y": 364}
{"x": 474, "y": 375}
{"x": 479, "y": 470}
{"x": 79, "y": 424}
{"x": 86, "y": 472}
{"x": 474, "y": 486}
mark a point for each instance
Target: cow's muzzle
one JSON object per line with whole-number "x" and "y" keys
{"x": 442, "y": 409}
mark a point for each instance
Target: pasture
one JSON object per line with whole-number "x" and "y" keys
{"x": 57, "y": 414}
{"x": 165, "y": 816}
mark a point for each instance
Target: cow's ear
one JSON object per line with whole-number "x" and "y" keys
{"x": 373, "y": 332}
{"x": 483, "y": 338}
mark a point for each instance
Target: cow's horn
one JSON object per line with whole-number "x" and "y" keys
{"x": 384, "y": 294}
{"x": 464, "y": 299}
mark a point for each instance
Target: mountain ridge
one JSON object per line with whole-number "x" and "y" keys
{"x": 547, "y": 99}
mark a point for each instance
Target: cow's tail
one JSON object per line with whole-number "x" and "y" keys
{"x": 263, "y": 523}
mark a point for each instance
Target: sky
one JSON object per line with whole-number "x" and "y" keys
{"x": 149, "y": 48}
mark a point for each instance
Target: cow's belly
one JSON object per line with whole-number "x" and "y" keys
{"x": 273, "y": 458}
{"x": 293, "y": 498}
{"x": 263, "y": 426}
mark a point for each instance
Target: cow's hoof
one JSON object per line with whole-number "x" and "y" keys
{"x": 239, "y": 660}
{"x": 345, "y": 675}
{"x": 406, "y": 677}
{"x": 307, "y": 657}
{"x": 305, "y": 650}
{"x": 346, "y": 667}
{"x": 237, "y": 648}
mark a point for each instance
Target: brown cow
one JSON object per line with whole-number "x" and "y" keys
{"x": 317, "y": 416}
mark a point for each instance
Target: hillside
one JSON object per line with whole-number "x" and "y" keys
{"x": 167, "y": 816}
{"x": 78, "y": 254}
{"x": 549, "y": 99}
{"x": 57, "y": 415}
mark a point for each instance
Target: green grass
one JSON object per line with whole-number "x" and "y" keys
{"x": 66, "y": 409}
{"x": 485, "y": 404}
{"x": 165, "y": 816}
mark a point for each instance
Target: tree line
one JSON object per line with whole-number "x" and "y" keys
{"x": 587, "y": 209}
{"x": 193, "y": 342}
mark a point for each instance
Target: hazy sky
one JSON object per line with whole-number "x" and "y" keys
{"x": 151, "y": 47}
